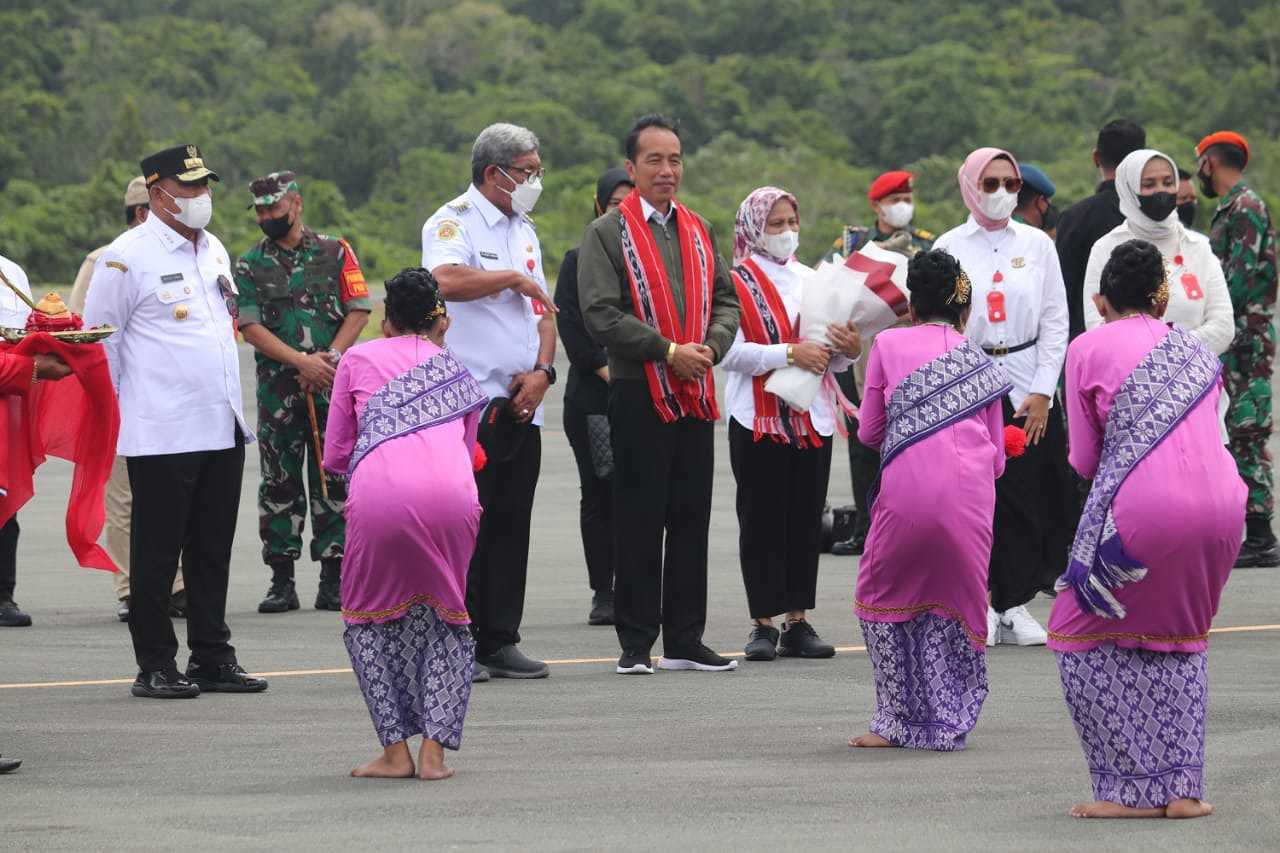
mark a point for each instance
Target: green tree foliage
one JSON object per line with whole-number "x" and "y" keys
{"x": 375, "y": 103}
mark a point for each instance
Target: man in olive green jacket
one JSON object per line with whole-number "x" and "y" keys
{"x": 663, "y": 461}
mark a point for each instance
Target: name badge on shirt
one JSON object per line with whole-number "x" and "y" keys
{"x": 995, "y": 307}
{"x": 1191, "y": 286}
{"x": 171, "y": 277}
{"x": 489, "y": 256}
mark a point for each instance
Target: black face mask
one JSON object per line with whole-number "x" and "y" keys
{"x": 1158, "y": 206}
{"x": 1206, "y": 185}
{"x": 1049, "y": 219}
{"x": 276, "y": 228}
{"x": 1187, "y": 213}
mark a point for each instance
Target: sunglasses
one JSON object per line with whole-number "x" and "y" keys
{"x": 990, "y": 185}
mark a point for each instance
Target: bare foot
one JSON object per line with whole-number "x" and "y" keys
{"x": 870, "y": 740}
{"x": 1187, "y": 808}
{"x": 431, "y": 766}
{"x": 1105, "y": 808}
{"x": 385, "y": 767}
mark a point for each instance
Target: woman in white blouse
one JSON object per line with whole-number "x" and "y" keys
{"x": 781, "y": 457}
{"x": 1019, "y": 318}
{"x": 1147, "y": 183}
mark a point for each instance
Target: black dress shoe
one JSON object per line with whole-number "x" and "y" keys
{"x": 510, "y": 662}
{"x": 178, "y": 604}
{"x": 601, "y": 609}
{"x": 763, "y": 643}
{"x": 799, "y": 640}
{"x": 8, "y": 765}
{"x": 329, "y": 596}
{"x": 122, "y": 612}
{"x": 1258, "y": 554}
{"x": 281, "y": 596}
{"x": 851, "y": 547}
{"x": 164, "y": 684}
{"x": 11, "y": 616}
{"x": 225, "y": 678}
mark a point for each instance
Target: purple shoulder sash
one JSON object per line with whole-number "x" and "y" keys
{"x": 429, "y": 394}
{"x": 1172, "y": 378}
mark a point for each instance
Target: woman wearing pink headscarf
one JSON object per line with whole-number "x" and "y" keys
{"x": 1019, "y": 318}
{"x": 781, "y": 456}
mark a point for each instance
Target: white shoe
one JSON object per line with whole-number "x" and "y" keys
{"x": 993, "y": 626}
{"x": 1018, "y": 627}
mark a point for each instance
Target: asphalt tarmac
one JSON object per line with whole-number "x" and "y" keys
{"x": 586, "y": 759}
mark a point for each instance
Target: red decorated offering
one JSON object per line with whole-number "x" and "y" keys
{"x": 52, "y": 315}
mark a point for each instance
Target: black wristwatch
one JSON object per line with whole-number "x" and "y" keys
{"x": 550, "y": 370}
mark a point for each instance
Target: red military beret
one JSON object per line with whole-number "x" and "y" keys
{"x": 890, "y": 183}
{"x": 1223, "y": 137}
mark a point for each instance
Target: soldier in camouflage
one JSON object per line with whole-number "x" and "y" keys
{"x": 303, "y": 301}
{"x": 1244, "y": 240}
{"x": 892, "y": 200}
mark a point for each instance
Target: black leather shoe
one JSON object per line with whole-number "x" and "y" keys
{"x": 225, "y": 678}
{"x": 510, "y": 662}
{"x": 11, "y": 616}
{"x": 799, "y": 640}
{"x": 329, "y": 596}
{"x": 1256, "y": 554}
{"x": 178, "y": 604}
{"x": 281, "y": 596}
{"x": 601, "y": 609}
{"x": 851, "y": 547}
{"x": 164, "y": 684}
{"x": 122, "y": 612}
{"x": 763, "y": 643}
{"x": 8, "y": 765}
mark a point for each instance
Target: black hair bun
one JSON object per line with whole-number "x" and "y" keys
{"x": 931, "y": 279}
{"x": 413, "y": 297}
{"x": 1132, "y": 275}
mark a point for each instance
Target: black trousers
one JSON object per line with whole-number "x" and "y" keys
{"x": 661, "y": 488}
{"x": 184, "y": 507}
{"x": 500, "y": 565}
{"x": 1037, "y": 509}
{"x": 864, "y": 467}
{"x": 8, "y": 558}
{"x": 595, "y": 508}
{"x": 781, "y": 492}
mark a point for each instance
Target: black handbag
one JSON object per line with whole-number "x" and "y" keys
{"x": 601, "y": 443}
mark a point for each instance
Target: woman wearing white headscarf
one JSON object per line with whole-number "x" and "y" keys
{"x": 1147, "y": 183}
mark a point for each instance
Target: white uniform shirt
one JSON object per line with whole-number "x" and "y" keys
{"x": 1035, "y": 300}
{"x": 1201, "y": 306}
{"x": 496, "y": 336}
{"x": 13, "y": 311}
{"x": 173, "y": 360}
{"x": 745, "y": 360}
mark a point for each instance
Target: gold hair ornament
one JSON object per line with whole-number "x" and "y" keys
{"x": 960, "y": 294}
{"x": 1161, "y": 296}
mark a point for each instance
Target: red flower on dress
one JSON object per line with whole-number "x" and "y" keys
{"x": 1015, "y": 441}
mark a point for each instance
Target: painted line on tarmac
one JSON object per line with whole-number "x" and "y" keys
{"x": 290, "y": 673}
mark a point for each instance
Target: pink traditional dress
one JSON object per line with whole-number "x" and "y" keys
{"x": 1159, "y": 534}
{"x": 933, "y": 408}
{"x": 402, "y": 426}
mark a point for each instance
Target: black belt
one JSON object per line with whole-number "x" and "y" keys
{"x": 1002, "y": 351}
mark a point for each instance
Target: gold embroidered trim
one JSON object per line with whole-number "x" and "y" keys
{"x": 1126, "y": 635}
{"x": 920, "y": 608}
{"x": 446, "y": 613}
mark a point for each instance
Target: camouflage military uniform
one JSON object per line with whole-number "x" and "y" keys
{"x": 1243, "y": 239}
{"x": 302, "y": 295}
{"x": 907, "y": 241}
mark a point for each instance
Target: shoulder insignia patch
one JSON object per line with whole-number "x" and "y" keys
{"x": 448, "y": 229}
{"x": 117, "y": 266}
{"x": 461, "y": 205}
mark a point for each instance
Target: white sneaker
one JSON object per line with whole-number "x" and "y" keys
{"x": 993, "y": 626}
{"x": 1018, "y": 627}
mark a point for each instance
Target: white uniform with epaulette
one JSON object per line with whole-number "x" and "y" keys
{"x": 173, "y": 361}
{"x": 496, "y": 336}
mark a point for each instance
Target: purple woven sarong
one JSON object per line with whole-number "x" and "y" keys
{"x": 415, "y": 674}
{"x": 930, "y": 682}
{"x": 1140, "y": 716}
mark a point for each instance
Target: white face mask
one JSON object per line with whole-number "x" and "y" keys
{"x": 999, "y": 204}
{"x": 525, "y": 195}
{"x": 194, "y": 213}
{"x": 781, "y": 245}
{"x": 898, "y": 215}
